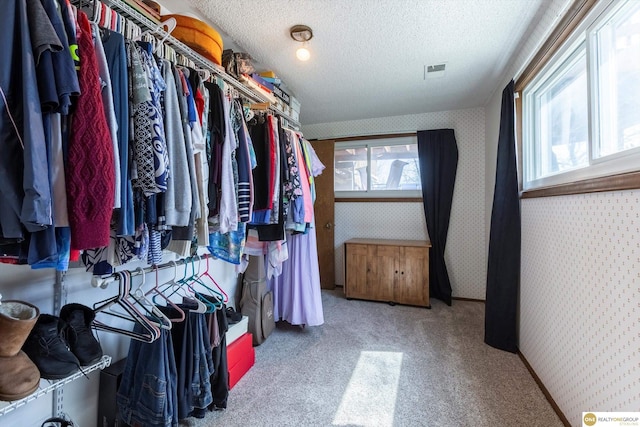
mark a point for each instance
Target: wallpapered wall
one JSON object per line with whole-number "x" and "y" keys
{"x": 579, "y": 289}
{"x": 465, "y": 251}
{"x": 580, "y": 299}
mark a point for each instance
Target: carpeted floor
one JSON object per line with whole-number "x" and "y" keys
{"x": 372, "y": 364}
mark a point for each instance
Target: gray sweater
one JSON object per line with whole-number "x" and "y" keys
{"x": 178, "y": 197}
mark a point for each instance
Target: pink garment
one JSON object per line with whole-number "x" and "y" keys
{"x": 304, "y": 182}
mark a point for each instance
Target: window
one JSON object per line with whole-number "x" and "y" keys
{"x": 385, "y": 167}
{"x": 617, "y": 82}
{"x": 580, "y": 112}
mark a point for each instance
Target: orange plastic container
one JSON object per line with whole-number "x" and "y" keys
{"x": 198, "y": 36}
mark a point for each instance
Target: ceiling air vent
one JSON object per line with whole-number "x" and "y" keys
{"x": 436, "y": 70}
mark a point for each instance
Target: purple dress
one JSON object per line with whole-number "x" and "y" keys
{"x": 296, "y": 292}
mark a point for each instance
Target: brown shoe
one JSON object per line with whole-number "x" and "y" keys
{"x": 19, "y": 376}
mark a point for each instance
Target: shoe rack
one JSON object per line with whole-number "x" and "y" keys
{"x": 55, "y": 386}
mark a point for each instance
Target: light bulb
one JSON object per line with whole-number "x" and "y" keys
{"x": 303, "y": 53}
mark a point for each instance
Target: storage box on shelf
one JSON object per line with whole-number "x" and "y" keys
{"x": 199, "y": 36}
{"x": 144, "y": 9}
{"x": 236, "y": 330}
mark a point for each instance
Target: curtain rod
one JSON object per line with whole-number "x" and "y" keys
{"x": 103, "y": 281}
{"x": 138, "y": 18}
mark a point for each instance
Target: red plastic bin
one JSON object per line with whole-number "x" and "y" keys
{"x": 240, "y": 358}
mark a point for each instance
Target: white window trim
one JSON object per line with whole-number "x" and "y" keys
{"x": 613, "y": 164}
{"x": 377, "y": 194}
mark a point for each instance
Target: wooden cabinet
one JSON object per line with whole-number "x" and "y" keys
{"x": 395, "y": 271}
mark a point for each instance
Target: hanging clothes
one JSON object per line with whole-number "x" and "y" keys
{"x": 90, "y": 174}
{"x": 109, "y": 110}
{"x": 116, "y": 55}
{"x": 148, "y": 382}
{"x": 182, "y": 236}
{"x": 296, "y": 291}
{"x": 177, "y": 200}
{"x": 25, "y": 191}
{"x": 228, "y": 202}
{"x": 150, "y": 149}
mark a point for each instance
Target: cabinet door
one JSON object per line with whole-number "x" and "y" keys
{"x": 412, "y": 285}
{"x": 383, "y": 271}
{"x": 356, "y": 261}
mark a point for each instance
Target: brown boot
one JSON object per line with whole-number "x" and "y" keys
{"x": 19, "y": 376}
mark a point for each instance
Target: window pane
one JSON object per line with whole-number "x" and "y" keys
{"x": 350, "y": 169}
{"x": 395, "y": 167}
{"x": 618, "y": 44}
{"x": 561, "y": 121}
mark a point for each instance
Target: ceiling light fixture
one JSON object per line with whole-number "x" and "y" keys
{"x": 302, "y": 34}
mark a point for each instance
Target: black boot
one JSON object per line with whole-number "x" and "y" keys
{"x": 81, "y": 341}
{"x": 47, "y": 348}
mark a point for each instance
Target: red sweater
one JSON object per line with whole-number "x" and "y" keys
{"x": 89, "y": 172}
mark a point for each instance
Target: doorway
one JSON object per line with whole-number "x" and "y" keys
{"x": 325, "y": 213}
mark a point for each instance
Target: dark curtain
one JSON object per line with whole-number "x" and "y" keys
{"x": 438, "y": 155}
{"x": 503, "y": 271}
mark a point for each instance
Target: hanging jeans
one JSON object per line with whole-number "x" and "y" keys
{"x": 220, "y": 377}
{"x": 147, "y": 394}
{"x": 201, "y": 396}
{"x": 194, "y": 363}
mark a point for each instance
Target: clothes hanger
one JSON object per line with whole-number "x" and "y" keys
{"x": 204, "y": 74}
{"x": 139, "y": 296}
{"x": 150, "y": 331}
{"x": 156, "y": 290}
{"x": 191, "y": 281}
{"x": 126, "y": 303}
{"x": 179, "y": 288}
{"x": 130, "y": 304}
{"x": 213, "y": 305}
{"x": 224, "y": 296}
{"x": 97, "y": 12}
{"x": 171, "y": 25}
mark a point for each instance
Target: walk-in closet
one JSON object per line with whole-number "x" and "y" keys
{"x": 313, "y": 213}
{"x": 157, "y": 215}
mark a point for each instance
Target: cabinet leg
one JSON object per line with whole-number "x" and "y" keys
{"x": 391, "y": 303}
{"x": 428, "y": 307}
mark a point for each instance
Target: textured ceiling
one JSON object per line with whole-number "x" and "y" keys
{"x": 368, "y": 56}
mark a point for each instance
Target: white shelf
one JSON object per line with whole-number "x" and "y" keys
{"x": 130, "y": 13}
{"x": 47, "y": 386}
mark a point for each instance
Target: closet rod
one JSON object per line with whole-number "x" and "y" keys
{"x": 130, "y": 13}
{"x": 103, "y": 281}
